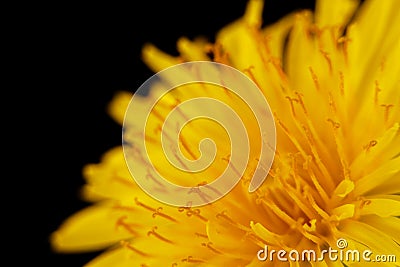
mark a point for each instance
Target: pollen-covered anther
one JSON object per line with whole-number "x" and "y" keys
{"x": 364, "y": 202}
{"x": 371, "y": 144}
{"x": 335, "y": 124}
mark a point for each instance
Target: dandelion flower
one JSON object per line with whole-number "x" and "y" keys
{"x": 331, "y": 79}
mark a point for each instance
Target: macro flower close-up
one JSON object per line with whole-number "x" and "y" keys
{"x": 331, "y": 77}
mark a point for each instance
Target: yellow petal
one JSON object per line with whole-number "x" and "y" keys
{"x": 297, "y": 64}
{"x": 118, "y": 105}
{"x": 372, "y": 38}
{"x": 264, "y": 233}
{"x": 108, "y": 222}
{"x": 156, "y": 59}
{"x": 162, "y": 242}
{"x": 247, "y": 49}
{"x": 377, "y": 240}
{"x": 119, "y": 257}
{"x": 383, "y": 206}
{"x": 382, "y": 149}
{"x": 253, "y": 14}
{"x": 388, "y": 172}
{"x": 167, "y": 245}
{"x": 344, "y": 211}
{"x": 234, "y": 39}
{"x": 391, "y": 225}
{"x": 327, "y": 263}
{"x": 90, "y": 229}
{"x": 276, "y": 34}
{"x": 391, "y": 186}
{"x": 192, "y": 51}
{"x": 230, "y": 239}
{"x": 344, "y": 188}
{"x": 319, "y": 63}
{"x": 110, "y": 178}
{"x": 128, "y": 255}
{"x": 338, "y": 13}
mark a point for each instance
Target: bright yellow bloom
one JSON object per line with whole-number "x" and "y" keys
{"x": 332, "y": 80}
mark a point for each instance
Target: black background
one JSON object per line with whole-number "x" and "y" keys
{"x": 91, "y": 52}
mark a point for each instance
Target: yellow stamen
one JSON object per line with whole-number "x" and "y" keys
{"x": 153, "y": 232}
{"x": 314, "y": 78}
{"x": 130, "y": 247}
{"x": 163, "y": 215}
{"x": 209, "y": 245}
